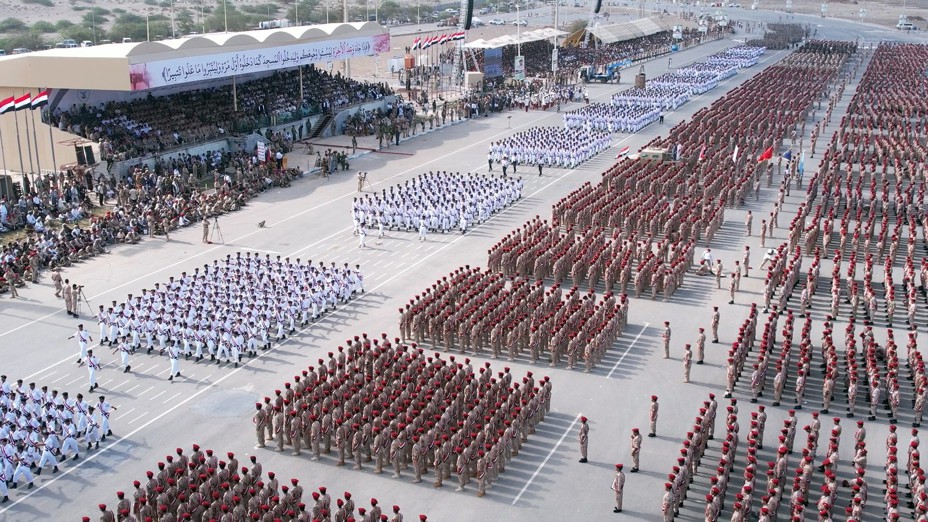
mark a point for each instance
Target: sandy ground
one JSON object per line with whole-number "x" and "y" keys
{"x": 881, "y": 13}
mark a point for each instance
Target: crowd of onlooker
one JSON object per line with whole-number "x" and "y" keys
{"x": 62, "y": 228}
{"x": 155, "y": 124}
{"x": 570, "y": 58}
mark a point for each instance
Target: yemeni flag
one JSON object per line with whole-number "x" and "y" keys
{"x": 7, "y": 105}
{"x": 444, "y": 39}
{"x": 417, "y": 43}
{"x": 22, "y": 102}
{"x": 428, "y": 42}
{"x": 767, "y": 154}
{"x": 459, "y": 35}
{"x": 623, "y": 152}
{"x": 40, "y": 100}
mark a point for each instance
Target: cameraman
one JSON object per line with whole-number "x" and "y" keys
{"x": 362, "y": 177}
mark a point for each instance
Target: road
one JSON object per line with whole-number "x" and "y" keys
{"x": 211, "y": 405}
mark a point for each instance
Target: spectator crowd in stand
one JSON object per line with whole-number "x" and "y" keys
{"x": 63, "y": 229}
{"x": 155, "y": 124}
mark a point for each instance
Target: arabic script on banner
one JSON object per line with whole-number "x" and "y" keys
{"x": 161, "y": 73}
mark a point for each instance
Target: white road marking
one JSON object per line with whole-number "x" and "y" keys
{"x": 123, "y": 414}
{"x": 172, "y": 398}
{"x": 617, "y": 363}
{"x": 159, "y": 394}
{"x": 259, "y": 250}
{"x": 232, "y": 372}
{"x": 547, "y": 458}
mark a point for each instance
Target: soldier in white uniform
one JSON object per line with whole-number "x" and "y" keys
{"x": 83, "y": 339}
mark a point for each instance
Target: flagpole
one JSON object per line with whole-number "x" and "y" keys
{"x": 28, "y": 143}
{"x": 19, "y": 146}
{"x": 2, "y": 149}
{"x": 38, "y": 163}
{"x": 51, "y": 144}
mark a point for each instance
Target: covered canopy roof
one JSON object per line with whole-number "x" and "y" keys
{"x": 629, "y": 30}
{"x": 107, "y": 67}
{"x": 513, "y": 39}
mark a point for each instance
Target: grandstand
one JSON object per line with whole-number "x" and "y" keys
{"x": 188, "y": 95}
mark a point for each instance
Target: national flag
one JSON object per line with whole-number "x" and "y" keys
{"x": 702, "y": 153}
{"x": 459, "y": 35}
{"x": 417, "y": 43}
{"x": 767, "y": 154}
{"x": 427, "y": 42}
{"x": 622, "y": 152}
{"x": 22, "y": 102}
{"x": 40, "y": 100}
{"x": 7, "y": 105}
{"x": 443, "y": 39}
{"x": 734, "y": 156}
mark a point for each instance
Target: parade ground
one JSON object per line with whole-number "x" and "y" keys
{"x": 212, "y": 405}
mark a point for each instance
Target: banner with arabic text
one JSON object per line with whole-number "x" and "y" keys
{"x": 161, "y": 73}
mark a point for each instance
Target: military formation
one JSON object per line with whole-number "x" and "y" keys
{"x": 385, "y": 405}
{"x": 636, "y": 108}
{"x": 844, "y": 346}
{"x": 437, "y": 202}
{"x": 484, "y": 313}
{"x": 548, "y": 147}
{"x": 229, "y": 310}
{"x": 391, "y": 406}
{"x": 201, "y": 485}
{"x": 43, "y": 428}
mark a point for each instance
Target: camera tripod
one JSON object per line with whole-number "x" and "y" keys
{"x": 217, "y": 232}
{"x": 82, "y": 298}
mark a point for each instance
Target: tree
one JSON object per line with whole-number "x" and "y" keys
{"x": 237, "y": 20}
{"x": 43, "y": 27}
{"x": 12, "y": 25}
{"x": 28, "y": 40}
{"x": 308, "y": 11}
{"x": 80, "y": 33}
{"x": 389, "y": 9}
{"x": 185, "y": 22}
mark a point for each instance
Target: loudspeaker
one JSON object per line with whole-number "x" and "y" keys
{"x": 469, "y": 15}
{"x": 599, "y": 5}
{"x": 81, "y": 158}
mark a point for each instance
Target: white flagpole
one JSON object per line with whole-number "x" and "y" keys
{"x": 19, "y": 146}
{"x": 2, "y": 148}
{"x": 38, "y": 164}
{"x": 28, "y": 144}
{"x": 51, "y": 142}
